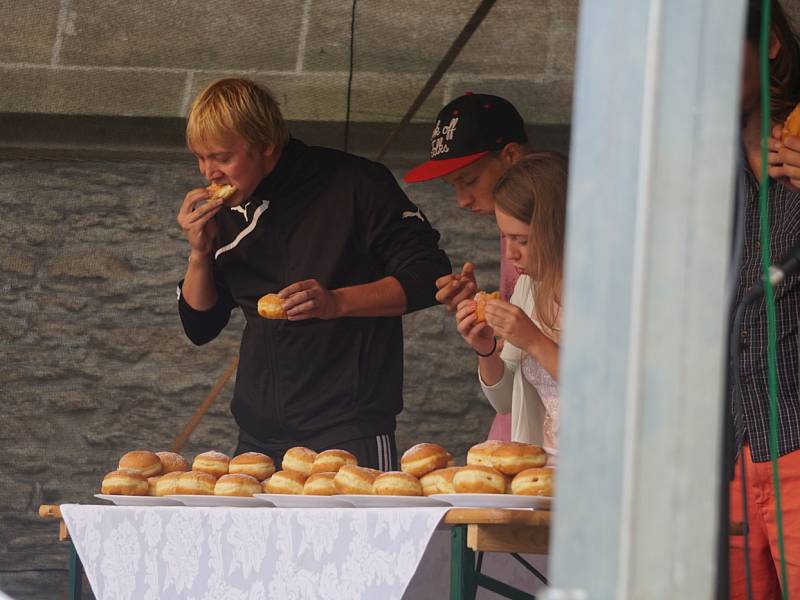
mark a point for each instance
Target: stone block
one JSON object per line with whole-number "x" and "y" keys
{"x": 248, "y": 34}
{"x": 29, "y": 582}
{"x": 13, "y": 328}
{"x": 17, "y": 261}
{"x": 409, "y": 44}
{"x": 562, "y": 38}
{"x": 81, "y": 399}
{"x": 88, "y": 263}
{"x": 513, "y": 40}
{"x": 386, "y": 97}
{"x": 414, "y": 40}
{"x": 91, "y": 91}
{"x": 35, "y": 234}
{"x": 31, "y": 38}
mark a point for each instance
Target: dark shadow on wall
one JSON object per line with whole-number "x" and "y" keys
{"x": 64, "y": 137}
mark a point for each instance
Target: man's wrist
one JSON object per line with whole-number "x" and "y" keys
{"x": 199, "y": 258}
{"x": 339, "y": 304}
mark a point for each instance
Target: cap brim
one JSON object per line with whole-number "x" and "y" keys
{"x": 439, "y": 168}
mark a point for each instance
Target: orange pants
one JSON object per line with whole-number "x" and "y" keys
{"x": 764, "y": 553}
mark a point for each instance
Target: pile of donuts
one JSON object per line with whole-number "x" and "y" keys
{"x": 145, "y": 473}
{"x": 492, "y": 467}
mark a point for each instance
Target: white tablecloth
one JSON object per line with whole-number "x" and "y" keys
{"x": 143, "y": 553}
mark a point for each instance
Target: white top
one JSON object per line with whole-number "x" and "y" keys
{"x": 514, "y": 393}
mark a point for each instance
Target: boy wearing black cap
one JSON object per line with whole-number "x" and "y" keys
{"x": 476, "y": 139}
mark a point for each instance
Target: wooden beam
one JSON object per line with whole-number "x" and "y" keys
{"x": 497, "y": 516}
{"x": 509, "y": 538}
{"x": 50, "y": 511}
{"x": 198, "y": 415}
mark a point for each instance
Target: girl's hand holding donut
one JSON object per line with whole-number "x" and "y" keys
{"x": 511, "y": 323}
{"x": 480, "y": 336}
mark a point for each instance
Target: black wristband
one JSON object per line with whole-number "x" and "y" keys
{"x": 494, "y": 347}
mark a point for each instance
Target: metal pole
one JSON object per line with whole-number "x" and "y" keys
{"x": 653, "y": 160}
{"x": 75, "y": 574}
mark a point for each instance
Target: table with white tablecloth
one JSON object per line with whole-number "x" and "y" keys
{"x": 223, "y": 553}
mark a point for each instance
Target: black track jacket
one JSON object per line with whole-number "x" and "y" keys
{"x": 342, "y": 220}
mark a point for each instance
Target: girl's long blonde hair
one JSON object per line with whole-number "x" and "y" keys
{"x": 534, "y": 191}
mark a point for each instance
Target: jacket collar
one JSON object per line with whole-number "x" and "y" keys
{"x": 280, "y": 174}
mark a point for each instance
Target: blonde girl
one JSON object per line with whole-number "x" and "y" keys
{"x": 530, "y": 207}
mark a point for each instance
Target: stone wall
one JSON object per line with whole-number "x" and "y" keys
{"x": 94, "y": 361}
{"x": 118, "y": 57}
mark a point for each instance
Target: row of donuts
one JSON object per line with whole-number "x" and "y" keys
{"x": 492, "y": 467}
{"x": 145, "y": 473}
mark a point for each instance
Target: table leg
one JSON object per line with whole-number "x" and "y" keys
{"x": 530, "y": 568}
{"x": 75, "y": 573}
{"x": 462, "y": 566}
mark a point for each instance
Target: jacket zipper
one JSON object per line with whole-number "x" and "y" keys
{"x": 277, "y": 398}
{"x": 272, "y": 366}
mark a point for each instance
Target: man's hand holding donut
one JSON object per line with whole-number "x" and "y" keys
{"x": 784, "y": 157}
{"x": 455, "y": 288}
{"x": 309, "y": 300}
{"x": 197, "y": 222}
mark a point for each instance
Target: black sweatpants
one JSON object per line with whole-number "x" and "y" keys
{"x": 377, "y": 452}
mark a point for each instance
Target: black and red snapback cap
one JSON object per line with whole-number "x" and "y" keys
{"x": 467, "y": 129}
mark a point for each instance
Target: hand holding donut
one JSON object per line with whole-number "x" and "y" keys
{"x": 784, "y": 156}
{"x": 309, "y": 300}
{"x": 454, "y": 288}
{"x": 479, "y": 335}
{"x": 511, "y": 323}
{"x": 197, "y": 223}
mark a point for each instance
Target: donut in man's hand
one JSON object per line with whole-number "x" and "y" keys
{"x": 791, "y": 126}
{"x": 218, "y": 191}
{"x": 270, "y": 306}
